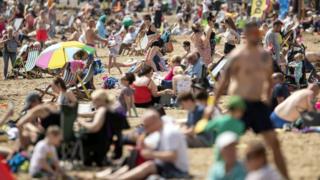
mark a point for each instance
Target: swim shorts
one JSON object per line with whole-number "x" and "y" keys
{"x": 257, "y": 116}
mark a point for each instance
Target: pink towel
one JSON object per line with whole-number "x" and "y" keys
{"x": 76, "y": 65}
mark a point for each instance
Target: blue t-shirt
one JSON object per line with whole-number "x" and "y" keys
{"x": 195, "y": 116}
{"x": 218, "y": 172}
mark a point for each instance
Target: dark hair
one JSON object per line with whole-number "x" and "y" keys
{"x": 196, "y": 28}
{"x": 129, "y": 77}
{"x": 147, "y": 17}
{"x": 186, "y": 43}
{"x": 146, "y": 69}
{"x": 230, "y": 22}
{"x": 159, "y": 109}
{"x": 202, "y": 95}
{"x": 59, "y": 82}
{"x": 210, "y": 17}
{"x": 185, "y": 97}
{"x": 159, "y": 43}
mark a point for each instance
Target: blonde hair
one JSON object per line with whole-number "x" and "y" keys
{"x": 177, "y": 70}
{"x": 102, "y": 95}
{"x": 175, "y": 60}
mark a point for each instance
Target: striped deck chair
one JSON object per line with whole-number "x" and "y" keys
{"x": 80, "y": 89}
{"x": 32, "y": 57}
{"x": 140, "y": 47}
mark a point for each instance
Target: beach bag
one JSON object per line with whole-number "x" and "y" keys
{"x": 169, "y": 47}
{"x": 17, "y": 161}
{"x": 109, "y": 82}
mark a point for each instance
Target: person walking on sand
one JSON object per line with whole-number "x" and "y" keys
{"x": 41, "y": 26}
{"x": 250, "y": 75}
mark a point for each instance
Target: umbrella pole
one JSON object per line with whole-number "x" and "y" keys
{"x": 83, "y": 86}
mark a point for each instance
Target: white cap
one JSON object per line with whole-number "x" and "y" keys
{"x": 225, "y": 139}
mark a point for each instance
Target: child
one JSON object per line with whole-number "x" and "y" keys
{"x": 44, "y": 161}
{"x": 257, "y": 163}
{"x": 114, "y": 46}
{"x": 126, "y": 94}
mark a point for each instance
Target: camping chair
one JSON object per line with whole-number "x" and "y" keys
{"x": 71, "y": 147}
{"x": 33, "y": 54}
{"x": 80, "y": 89}
{"x": 215, "y": 72}
{"x": 140, "y": 46}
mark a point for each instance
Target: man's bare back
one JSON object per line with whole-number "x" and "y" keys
{"x": 90, "y": 36}
{"x": 250, "y": 72}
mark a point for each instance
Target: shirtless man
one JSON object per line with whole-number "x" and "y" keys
{"x": 90, "y": 36}
{"x": 41, "y": 26}
{"x": 289, "y": 110}
{"x": 250, "y": 75}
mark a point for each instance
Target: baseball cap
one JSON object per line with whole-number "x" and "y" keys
{"x": 236, "y": 102}
{"x": 31, "y": 98}
{"x": 225, "y": 139}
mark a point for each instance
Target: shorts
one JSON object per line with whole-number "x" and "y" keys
{"x": 257, "y": 117}
{"x": 42, "y": 35}
{"x": 277, "y": 121}
{"x": 168, "y": 170}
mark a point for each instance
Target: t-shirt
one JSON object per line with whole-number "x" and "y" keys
{"x": 222, "y": 124}
{"x": 42, "y": 151}
{"x": 127, "y": 91}
{"x": 265, "y": 173}
{"x": 218, "y": 172}
{"x": 171, "y": 139}
{"x": 279, "y": 90}
{"x": 195, "y": 115}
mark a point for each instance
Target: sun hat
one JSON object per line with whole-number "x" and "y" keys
{"x": 225, "y": 139}
{"x": 236, "y": 102}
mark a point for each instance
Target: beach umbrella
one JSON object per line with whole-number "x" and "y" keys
{"x": 56, "y": 56}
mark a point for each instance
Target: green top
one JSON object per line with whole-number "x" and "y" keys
{"x": 222, "y": 124}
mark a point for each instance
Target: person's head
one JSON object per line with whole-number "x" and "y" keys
{"x": 277, "y": 78}
{"x": 202, "y": 97}
{"x": 177, "y": 70}
{"x": 187, "y": 101}
{"x": 58, "y": 85}
{"x": 103, "y": 19}
{"x": 256, "y": 156}
{"x": 151, "y": 121}
{"x": 91, "y": 23}
{"x": 146, "y": 70}
{"x": 159, "y": 108}
{"x": 186, "y": 45}
{"x": 196, "y": 28}
{"x": 32, "y": 100}
{"x": 147, "y": 19}
{"x": 42, "y": 14}
{"x": 101, "y": 98}
{"x": 10, "y": 31}
{"x": 252, "y": 33}
{"x": 230, "y": 24}
{"x": 128, "y": 79}
{"x": 226, "y": 144}
{"x": 236, "y": 106}
{"x": 192, "y": 58}
{"x": 131, "y": 29}
{"x": 211, "y": 19}
{"x": 314, "y": 88}
{"x": 277, "y": 25}
{"x": 175, "y": 61}
{"x": 54, "y": 135}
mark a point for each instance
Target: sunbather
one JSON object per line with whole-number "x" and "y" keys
{"x": 65, "y": 97}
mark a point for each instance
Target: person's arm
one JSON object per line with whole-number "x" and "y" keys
{"x": 154, "y": 90}
{"x": 97, "y": 122}
{"x": 224, "y": 81}
{"x": 37, "y": 112}
{"x": 45, "y": 166}
{"x": 174, "y": 86}
{"x": 128, "y": 101}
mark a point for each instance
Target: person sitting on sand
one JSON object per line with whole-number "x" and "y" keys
{"x": 289, "y": 110}
{"x": 170, "y": 159}
{"x": 44, "y": 161}
{"x": 65, "y": 97}
{"x": 174, "y": 62}
{"x": 195, "y": 112}
{"x": 280, "y": 90}
{"x": 195, "y": 65}
{"x": 257, "y": 163}
{"x": 146, "y": 91}
{"x": 187, "y": 47}
{"x": 230, "y": 167}
{"x": 181, "y": 82}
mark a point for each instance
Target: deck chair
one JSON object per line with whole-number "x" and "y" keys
{"x": 214, "y": 73}
{"x": 68, "y": 77}
{"x": 80, "y": 89}
{"x": 71, "y": 147}
{"x": 140, "y": 47}
{"x": 33, "y": 53}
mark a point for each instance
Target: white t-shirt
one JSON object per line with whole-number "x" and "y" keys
{"x": 171, "y": 139}
{"x": 42, "y": 151}
{"x": 205, "y": 5}
{"x": 129, "y": 38}
{"x": 265, "y": 173}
